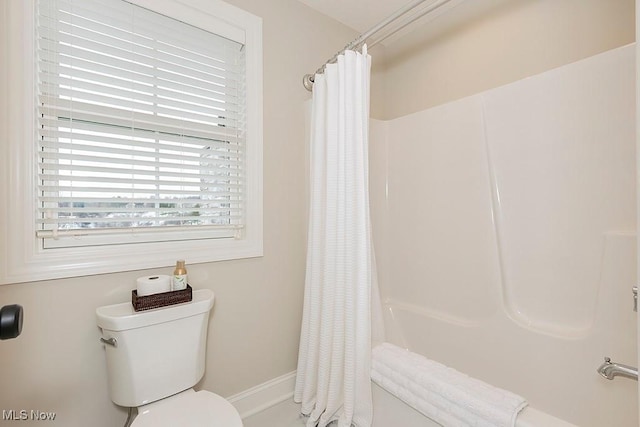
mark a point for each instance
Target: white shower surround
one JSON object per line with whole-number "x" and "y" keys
{"x": 504, "y": 226}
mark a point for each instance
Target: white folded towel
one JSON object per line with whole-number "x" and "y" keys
{"x": 445, "y": 395}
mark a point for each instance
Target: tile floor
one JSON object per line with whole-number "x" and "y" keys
{"x": 285, "y": 414}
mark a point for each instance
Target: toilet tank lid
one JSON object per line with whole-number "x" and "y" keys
{"x": 120, "y": 317}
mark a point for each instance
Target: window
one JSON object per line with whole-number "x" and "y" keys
{"x": 140, "y": 125}
{"x": 147, "y": 141}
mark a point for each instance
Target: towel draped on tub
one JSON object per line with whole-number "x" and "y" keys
{"x": 443, "y": 394}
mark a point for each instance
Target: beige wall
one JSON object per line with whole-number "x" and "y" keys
{"x": 506, "y": 40}
{"x": 57, "y": 364}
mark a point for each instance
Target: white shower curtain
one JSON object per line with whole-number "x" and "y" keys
{"x": 333, "y": 377}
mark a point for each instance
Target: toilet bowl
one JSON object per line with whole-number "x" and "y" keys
{"x": 189, "y": 408}
{"x": 155, "y": 357}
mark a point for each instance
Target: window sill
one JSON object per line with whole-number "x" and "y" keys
{"x": 23, "y": 266}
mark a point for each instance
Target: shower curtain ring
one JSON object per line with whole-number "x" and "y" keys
{"x": 307, "y": 81}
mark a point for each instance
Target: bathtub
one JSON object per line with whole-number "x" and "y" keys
{"x": 556, "y": 375}
{"x": 390, "y": 411}
{"x": 504, "y": 228}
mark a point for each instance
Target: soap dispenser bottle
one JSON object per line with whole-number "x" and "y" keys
{"x": 179, "y": 276}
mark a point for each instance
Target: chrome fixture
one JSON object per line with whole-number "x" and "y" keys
{"x": 111, "y": 341}
{"x": 400, "y": 19}
{"x": 611, "y": 370}
{"x": 635, "y": 298}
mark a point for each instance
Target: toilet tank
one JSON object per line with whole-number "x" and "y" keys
{"x": 156, "y": 353}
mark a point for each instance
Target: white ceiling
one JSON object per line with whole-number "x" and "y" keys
{"x": 357, "y": 14}
{"x": 361, "y": 15}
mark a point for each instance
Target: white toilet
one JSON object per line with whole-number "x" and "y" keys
{"x": 155, "y": 357}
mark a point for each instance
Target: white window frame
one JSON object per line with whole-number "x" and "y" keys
{"x": 22, "y": 256}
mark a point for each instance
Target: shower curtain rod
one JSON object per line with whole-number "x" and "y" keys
{"x": 357, "y": 43}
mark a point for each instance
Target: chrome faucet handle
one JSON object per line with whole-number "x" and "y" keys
{"x": 607, "y": 360}
{"x": 111, "y": 341}
{"x": 635, "y": 298}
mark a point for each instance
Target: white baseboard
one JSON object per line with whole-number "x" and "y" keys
{"x": 264, "y": 395}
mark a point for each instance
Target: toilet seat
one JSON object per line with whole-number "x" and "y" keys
{"x": 189, "y": 408}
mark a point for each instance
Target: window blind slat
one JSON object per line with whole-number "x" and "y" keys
{"x": 77, "y": 110}
{"x": 187, "y": 182}
{"x": 114, "y": 209}
{"x": 93, "y": 191}
{"x": 211, "y": 173}
{"x": 218, "y": 63}
{"x": 143, "y": 94}
{"x": 73, "y": 46}
{"x": 186, "y": 144}
{"x": 146, "y": 219}
{"x": 75, "y": 99}
{"x": 66, "y": 57}
{"x": 219, "y": 199}
{"x": 149, "y": 25}
{"x": 136, "y": 162}
{"x": 65, "y": 21}
{"x": 150, "y": 159}
{"x": 109, "y": 75}
{"x": 77, "y": 49}
{"x": 106, "y": 132}
{"x": 188, "y": 232}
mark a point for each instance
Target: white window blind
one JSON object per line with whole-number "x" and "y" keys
{"x": 140, "y": 126}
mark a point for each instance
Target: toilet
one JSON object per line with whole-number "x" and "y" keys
{"x": 155, "y": 357}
